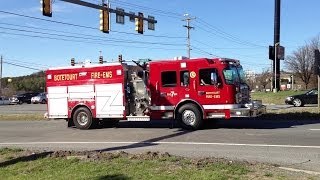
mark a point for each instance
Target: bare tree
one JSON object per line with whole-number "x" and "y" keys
{"x": 301, "y": 61}
{"x": 264, "y": 78}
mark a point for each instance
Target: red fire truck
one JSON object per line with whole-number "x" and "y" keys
{"x": 190, "y": 91}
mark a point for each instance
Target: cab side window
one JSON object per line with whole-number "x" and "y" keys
{"x": 169, "y": 79}
{"x": 208, "y": 77}
{"x": 184, "y": 78}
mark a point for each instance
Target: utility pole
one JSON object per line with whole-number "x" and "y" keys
{"x": 276, "y": 62}
{"x": 1, "y": 63}
{"x": 188, "y": 19}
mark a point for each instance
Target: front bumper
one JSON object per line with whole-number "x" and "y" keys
{"x": 35, "y": 101}
{"x": 288, "y": 101}
{"x": 15, "y": 101}
{"x": 253, "y": 109}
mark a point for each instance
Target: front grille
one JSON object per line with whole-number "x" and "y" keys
{"x": 244, "y": 90}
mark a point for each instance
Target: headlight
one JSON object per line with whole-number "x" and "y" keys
{"x": 289, "y": 98}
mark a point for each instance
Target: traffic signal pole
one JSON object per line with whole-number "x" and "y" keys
{"x": 276, "y": 61}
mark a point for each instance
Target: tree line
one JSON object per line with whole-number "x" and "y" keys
{"x": 302, "y": 61}
{"x": 31, "y": 83}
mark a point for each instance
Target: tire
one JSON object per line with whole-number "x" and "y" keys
{"x": 43, "y": 101}
{"x": 189, "y": 116}
{"x": 82, "y": 118}
{"x": 297, "y": 102}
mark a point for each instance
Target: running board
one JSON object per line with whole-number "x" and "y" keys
{"x": 138, "y": 118}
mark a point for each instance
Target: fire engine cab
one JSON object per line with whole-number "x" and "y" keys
{"x": 190, "y": 91}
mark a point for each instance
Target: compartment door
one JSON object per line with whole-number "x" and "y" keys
{"x": 58, "y": 102}
{"x": 109, "y": 100}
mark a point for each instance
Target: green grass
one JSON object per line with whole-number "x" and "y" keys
{"x": 5, "y": 151}
{"x": 19, "y": 117}
{"x": 274, "y": 98}
{"x": 119, "y": 168}
{"x": 122, "y": 166}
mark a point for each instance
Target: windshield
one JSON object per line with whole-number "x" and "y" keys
{"x": 312, "y": 92}
{"x": 234, "y": 75}
{"x": 241, "y": 74}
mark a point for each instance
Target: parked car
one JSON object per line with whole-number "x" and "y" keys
{"x": 22, "y": 98}
{"x": 4, "y": 101}
{"x": 40, "y": 98}
{"x": 310, "y": 97}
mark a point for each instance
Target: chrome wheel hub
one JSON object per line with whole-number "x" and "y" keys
{"x": 297, "y": 102}
{"x": 82, "y": 118}
{"x": 188, "y": 117}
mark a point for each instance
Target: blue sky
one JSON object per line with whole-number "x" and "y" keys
{"x": 229, "y": 28}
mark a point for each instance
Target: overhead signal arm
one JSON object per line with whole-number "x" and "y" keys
{"x": 105, "y": 11}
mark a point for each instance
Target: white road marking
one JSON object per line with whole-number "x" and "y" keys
{"x": 314, "y": 129}
{"x": 300, "y": 170}
{"x": 162, "y": 142}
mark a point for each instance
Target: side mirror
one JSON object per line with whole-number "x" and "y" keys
{"x": 214, "y": 80}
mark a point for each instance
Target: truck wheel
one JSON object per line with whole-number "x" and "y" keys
{"x": 190, "y": 117}
{"x": 82, "y": 118}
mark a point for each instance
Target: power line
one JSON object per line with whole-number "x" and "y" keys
{"x": 203, "y": 51}
{"x": 26, "y": 63}
{"x": 82, "y": 26}
{"x": 224, "y": 37}
{"x": 88, "y": 35}
{"x": 149, "y": 9}
{"x": 22, "y": 66}
{"x": 95, "y": 39}
{"x": 54, "y": 38}
{"x": 218, "y": 32}
{"x": 212, "y": 47}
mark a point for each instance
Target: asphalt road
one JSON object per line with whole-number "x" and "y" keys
{"x": 289, "y": 143}
{"x": 23, "y": 109}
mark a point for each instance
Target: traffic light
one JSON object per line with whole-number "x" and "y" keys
{"x": 120, "y": 58}
{"x": 139, "y": 23}
{"x": 100, "y": 59}
{"x": 104, "y": 20}
{"x": 271, "y": 52}
{"x": 46, "y": 7}
{"x": 72, "y": 62}
{"x": 280, "y": 52}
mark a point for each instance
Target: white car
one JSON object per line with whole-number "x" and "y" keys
{"x": 4, "y": 101}
{"x": 40, "y": 98}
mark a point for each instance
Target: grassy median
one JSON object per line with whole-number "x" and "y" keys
{"x": 21, "y": 117}
{"x": 274, "y": 98}
{"x": 19, "y": 164}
